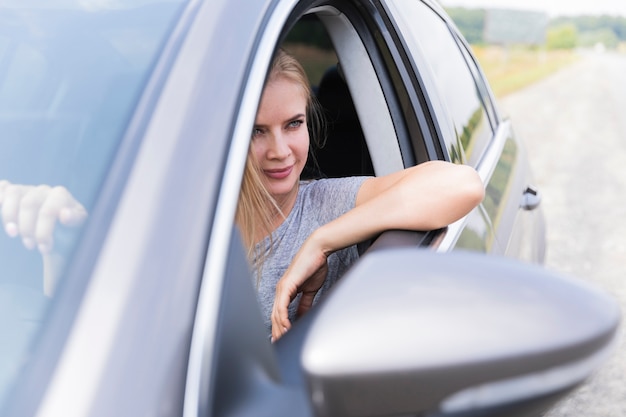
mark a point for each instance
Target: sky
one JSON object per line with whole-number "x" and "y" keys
{"x": 552, "y": 7}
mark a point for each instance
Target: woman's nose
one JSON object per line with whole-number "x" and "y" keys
{"x": 279, "y": 148}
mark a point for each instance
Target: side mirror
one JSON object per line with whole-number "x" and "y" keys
{"x": 414, "y": 332}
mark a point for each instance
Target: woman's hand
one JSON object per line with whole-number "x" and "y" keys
{"x": 32, "y": 212}
{"x": 305, "y": 275}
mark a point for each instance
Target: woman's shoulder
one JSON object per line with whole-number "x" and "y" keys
{"x": 331, "y": 193}
{"x": 331, "y": 185}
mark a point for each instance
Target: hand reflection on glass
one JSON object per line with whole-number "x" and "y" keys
{"x": 32, "y": 212}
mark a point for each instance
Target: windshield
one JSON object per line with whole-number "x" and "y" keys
{"x": 71, "y": 73}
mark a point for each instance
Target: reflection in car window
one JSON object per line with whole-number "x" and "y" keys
{"x": 481, "y": 85}
{"x": 70, "y": 75}
{"x": 454, "y": 81}
{"x": 499, "y": 185}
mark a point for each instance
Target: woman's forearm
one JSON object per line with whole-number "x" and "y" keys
{"x": 416, "y": 201}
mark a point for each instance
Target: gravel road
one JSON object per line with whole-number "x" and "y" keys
{"x": 574, "y": 125}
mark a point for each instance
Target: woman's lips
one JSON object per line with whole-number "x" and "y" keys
{"x": 278, "y": 174}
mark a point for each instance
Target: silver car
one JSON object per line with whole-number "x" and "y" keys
{"x": 143, "y": 110}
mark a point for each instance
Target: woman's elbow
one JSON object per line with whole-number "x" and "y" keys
{"x": 461, "y": 191}
{"x": 471, "y": 190}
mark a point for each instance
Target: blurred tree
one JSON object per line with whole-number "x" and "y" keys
{"x": 590, "y": 26}
{"x": 470, "y": 22}
{"x": 606, "y": 37}
{"x": 588, "y": 29}
{"x": 564, "y": 36}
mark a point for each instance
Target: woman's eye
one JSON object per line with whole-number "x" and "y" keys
{"x": 294, "y": 124}
{"x": 256, "y": 132}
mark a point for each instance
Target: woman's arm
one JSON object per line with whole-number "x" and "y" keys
{"x": 425, "y": 197}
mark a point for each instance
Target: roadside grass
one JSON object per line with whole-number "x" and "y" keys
{"x": 511, "y": 69}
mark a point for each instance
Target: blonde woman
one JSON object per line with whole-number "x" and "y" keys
{"x": 301, "y": 235}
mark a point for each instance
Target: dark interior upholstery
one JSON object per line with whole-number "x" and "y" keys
{"x": 345, "y": 152}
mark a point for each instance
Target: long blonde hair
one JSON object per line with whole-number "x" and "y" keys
{"x": 257, "y": 208}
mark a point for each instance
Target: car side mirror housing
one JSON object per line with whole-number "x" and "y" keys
{"x": 409, "y": 331}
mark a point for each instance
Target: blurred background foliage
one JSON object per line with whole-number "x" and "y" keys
{"x": 511, "y": 67}
{"x": 562, "y": 32}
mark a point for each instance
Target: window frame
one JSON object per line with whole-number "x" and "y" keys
{"x": 371, "y": 104}
{"x": 441, "y": 116}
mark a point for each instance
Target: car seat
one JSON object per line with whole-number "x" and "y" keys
{"x": 345, "y": 152}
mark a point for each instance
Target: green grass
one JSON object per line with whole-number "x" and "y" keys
{"x": 511, "y": 69}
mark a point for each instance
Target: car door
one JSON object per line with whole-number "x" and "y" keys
{"x": 471, "y": 131}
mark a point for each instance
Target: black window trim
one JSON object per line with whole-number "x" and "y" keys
{"x": 415, "y": 86}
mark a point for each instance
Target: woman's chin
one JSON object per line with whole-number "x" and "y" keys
{"x": 281, "y": 189}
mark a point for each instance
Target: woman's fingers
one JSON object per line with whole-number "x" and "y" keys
{"x": 280, "y": 311}
{"x": 310, "y": 288}
{"x": 305, "y": 276}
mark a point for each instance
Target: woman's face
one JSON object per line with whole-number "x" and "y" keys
{"x": 280, "y": 139}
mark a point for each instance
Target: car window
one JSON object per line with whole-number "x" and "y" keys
{"x": 71, "y": 74}
{"x": 455, "y": 85}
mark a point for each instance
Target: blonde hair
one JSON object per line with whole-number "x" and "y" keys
{"x": 257, "y": 208}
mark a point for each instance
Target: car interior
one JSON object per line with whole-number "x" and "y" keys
{"x": 345, "y": 151}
